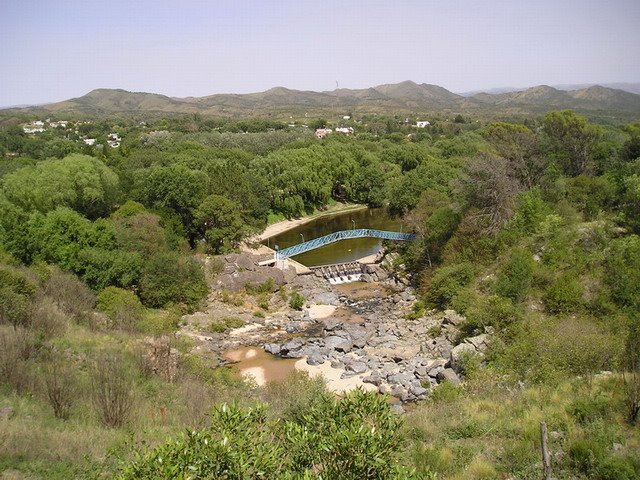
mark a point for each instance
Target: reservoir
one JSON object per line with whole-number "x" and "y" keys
{"x": 344, "y": 250}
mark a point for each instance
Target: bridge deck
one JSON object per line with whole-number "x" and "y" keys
{"x": 342, "y": 235}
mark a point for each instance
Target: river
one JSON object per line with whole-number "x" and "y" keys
{"x": 345, "y": 250}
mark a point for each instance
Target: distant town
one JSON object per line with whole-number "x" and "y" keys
{"x": 73, "y": 130}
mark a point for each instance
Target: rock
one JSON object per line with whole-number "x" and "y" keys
{"x": 315, "y": 359}
{"x": 357, "y": 367}
{"x": 360, "y": 342}
{"x": 355, "y": 331}
{"x": 338, "y": 343}
{"x": 273, "y": 348}
{"x": 419, "y": 391}
{"x": 366, "y": 278}
{"x": 400, "y": 378}
{"x": 246, "y": 261}
{"x": 384, "y": 389}
{"x": 480, "y": 342}
{"x": 421, "y": 372}
{"x": 7, "y": 411}
{"x": 459, "y": 352}
{"x": 433, "y": 373}
{"x": 294, "y": 327}
{"x": 397, "y": 409}
{"x": 330, "y": 324}
{"x": 290, "y": 347}
{"x": 453, "y": 318}
{"x": 373, "y": 379}
{"x": 450, "y": 375}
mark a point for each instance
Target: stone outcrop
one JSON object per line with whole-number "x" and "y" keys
{"x": 238, "y": 270}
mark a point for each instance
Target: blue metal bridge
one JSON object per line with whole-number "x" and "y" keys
{"x": 342, "y": 235}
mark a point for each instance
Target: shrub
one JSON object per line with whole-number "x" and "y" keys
{"x": 291, "y": 399}
{"x": 515, "y": 277}
{"x": 70, "y": 294}
{"x": 60, "y": 389}
{"x": 447, "y": 282}
{"x": 356, "y": 437}
{"x": 121, "y": 306}
{"x": 631, "y": 364}
{"x": 296, "y": 301}
{"x": 564, "y": 295}
{"x": 16, "y": 293}
{"x": 622, "y": 272}
{"x": 491, "y": 311}
{"x": 16, "y": 348}
{"x": 589, "y": 409}
{"x": 259, "y": 288}
{"x": 224, "y": 324}
{"x": 111, "y": 390}
{"x": 47, "y": 318}
{"x": 169, "y": 278}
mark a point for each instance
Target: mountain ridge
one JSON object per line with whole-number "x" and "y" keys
{"x": 403, "y": 96}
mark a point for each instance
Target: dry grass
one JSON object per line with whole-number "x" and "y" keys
{"x": 491, "y": 430}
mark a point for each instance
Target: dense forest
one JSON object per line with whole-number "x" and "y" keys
{"x": 530, "y": 229}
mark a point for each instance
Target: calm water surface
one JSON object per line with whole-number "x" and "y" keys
{"x": 344, "y": 250}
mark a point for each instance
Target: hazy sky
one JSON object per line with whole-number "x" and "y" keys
{"x": 54, "y": 50}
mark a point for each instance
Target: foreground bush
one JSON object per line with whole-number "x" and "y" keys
{"x": 354, "y": 438}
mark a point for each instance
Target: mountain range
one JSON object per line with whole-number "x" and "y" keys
{"x": 406, "y": 96}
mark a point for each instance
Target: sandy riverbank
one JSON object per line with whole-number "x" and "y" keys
{"x": 284, "y": 225}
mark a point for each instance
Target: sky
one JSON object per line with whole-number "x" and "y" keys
{"x": 55, "y": 50}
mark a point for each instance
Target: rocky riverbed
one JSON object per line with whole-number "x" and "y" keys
{"x": 355, "y": 335}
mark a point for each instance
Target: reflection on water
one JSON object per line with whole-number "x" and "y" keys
{"x": 259, "y": 365}
{"x": 345, "y": 250}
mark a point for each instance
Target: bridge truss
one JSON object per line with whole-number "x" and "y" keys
{"x": 343, "y": 235}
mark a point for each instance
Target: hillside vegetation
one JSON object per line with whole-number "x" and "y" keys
{"x": 531, "y": 230}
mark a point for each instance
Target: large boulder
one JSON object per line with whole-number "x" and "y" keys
{"x": 460, "y": 353}
{"x": 340, "y": 344}
{"x": 451, "y": 317}
{"x": 449, "y": 375}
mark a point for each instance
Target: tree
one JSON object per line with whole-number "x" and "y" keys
{"x": 571, "y": 140}
{"x": 220, "y": 221}
{"x": 176, "y": 187}
{"x": 79, "y": 182}
{"x": 520, "y": 146}
{"x": 491, "y": 188}
{"x": 170, "y": 279}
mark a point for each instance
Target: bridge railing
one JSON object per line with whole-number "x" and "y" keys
{"x": 342, "y": 235}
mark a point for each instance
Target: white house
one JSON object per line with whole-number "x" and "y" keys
{"x": 422, "y": 124}
{"x": 90, "y": 141}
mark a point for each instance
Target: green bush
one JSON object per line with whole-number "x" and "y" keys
{"x": 171, "y": 279}
{"x": 447, "y": 282}
{"x": 296, "y": 301}
{"x": 123, "y": 307}
{"x": 622, "y": 272}
{"x": 224, "y": 324}
{"x": 491, "y": 311}
{"x": 589, "y": 409}
{"x": 564, "y": 295}
{"x": 515, "y": 277}
{"x": 618, "y": 468}
{"x": 259, "y": 288}
{"x": 356, "y": 438}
